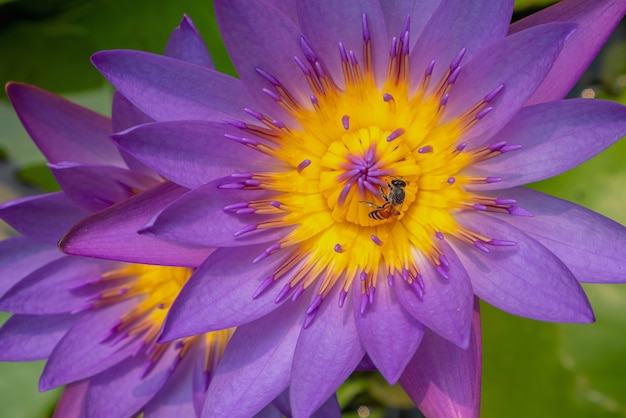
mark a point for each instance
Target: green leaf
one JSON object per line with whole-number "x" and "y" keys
{"x": 534, "y": 4}
{"x": 522, "y": 372}
{"x": 50, "y": 45}
{"x": 39, "y": 176}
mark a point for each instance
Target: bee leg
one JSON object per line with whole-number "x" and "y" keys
{"x": 370, "y": 204}
{"x": 382, "y": 192}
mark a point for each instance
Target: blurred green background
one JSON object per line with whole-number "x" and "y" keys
{"x": 531, "y": 369}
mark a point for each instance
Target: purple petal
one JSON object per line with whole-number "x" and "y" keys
{"x": 396, "y": 12}
{"x": 20, "y": 256}
{"x": 47, "y": 290}
{"x": 596, "y": 20}
{"x": 44, "y": 218}
{"x": 444, "y": 380}
{"x": 121, "y": 391}
{"x": 199, "y": 218}
{"x": 525, "y": 279}
{"x": 80, "y": 354}
{"x": 325, "y": 23}
{"x": 282, "y": 403}
{"x": 200, "y": 378}
{"x": 175, "y": 397}
{"x": 242, "y": 24}
{"x": 554, "y": 137}
{"x": 112, "y": 233}
{"x": 455, "y": 25}
{"x": 270, "y": 411}
{"x": 592, "y": 246}
{"x": 219, "y": 295}
{"x": 169, "y": 89}
{"x": 533, "y": 50}
{"x": 256, "y": 366}
{"x": 191, "y": 153}
{"x": 288, "y": 7}
{"x": 446, "y": 304}
{"x": 71, "y": 403}
{"x": 61, "y": 129}
{"x": 186, "y": 44}
{"x": 96, "y": 187}
{"x": 125, "y": 115}
{"x": 329, "y": 409}
{"x": 32, "y": 337}
{"x": 327, "y": 352}
{"x": 390, "y": 335}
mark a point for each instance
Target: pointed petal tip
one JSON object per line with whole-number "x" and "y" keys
{"x": 13, "y": 88}
{"x": 10, "y": 86}
{"x": 46, "y": 383}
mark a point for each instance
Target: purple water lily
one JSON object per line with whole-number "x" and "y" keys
{"x": 360, "y": 185}
{"x": 96, "y": 321}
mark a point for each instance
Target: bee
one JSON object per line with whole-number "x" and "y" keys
{"x": 393, "y": 201}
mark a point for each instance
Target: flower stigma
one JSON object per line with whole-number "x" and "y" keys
{"x": 154, "y": 289}
{"x": 370, "y": 178}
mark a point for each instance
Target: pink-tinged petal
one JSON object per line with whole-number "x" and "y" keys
{"x": 169, "y": 89}
{"x": 175, "y": 397}
{"x": 72, "y": 401}
{"x": 199, "y": 218}
{"x": 96, "y": 187}
{"x": 457, "y": 25}
{"x": 43, "y": 218}
{"x": 242, "y": 24}
{"x": 328, "y": 350}
{"x": 444, "y": 380}
{"x": 191, "y": 153}
{"x": 325, "y": 23}
{"x": 61, "y": 129}
{"x": 555, "y": 137}
{"x": 390, "y": 335}
{"x": 591, "y": 245}
{"x": 444, "y": 304}
{"x": 525, "y": 279}
{"x": 20, "y": 256}
{"x": 32, "y": 337}
{"x": 112, "y": 233}
{"x": 219, "y": 294}
{"x": 81, "y": 353}
{"x": 396, "y": 12}
{"x": 122, "y": 390}
{"x": 48, "y": 290}
{"x": 596, "y": 20}
{"x": 533, "y": 50}
{"x": 186, "y": 44}
{"x": 256, "y": 366}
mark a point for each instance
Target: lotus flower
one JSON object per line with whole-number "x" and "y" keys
{"x": 96, "y": 321}
{"x": 360, "y": 186}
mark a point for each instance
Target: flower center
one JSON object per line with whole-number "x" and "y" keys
{"x": 375, "y": 174}
{"x": 154, "y": 288}
{"x": 354, "y": 176}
